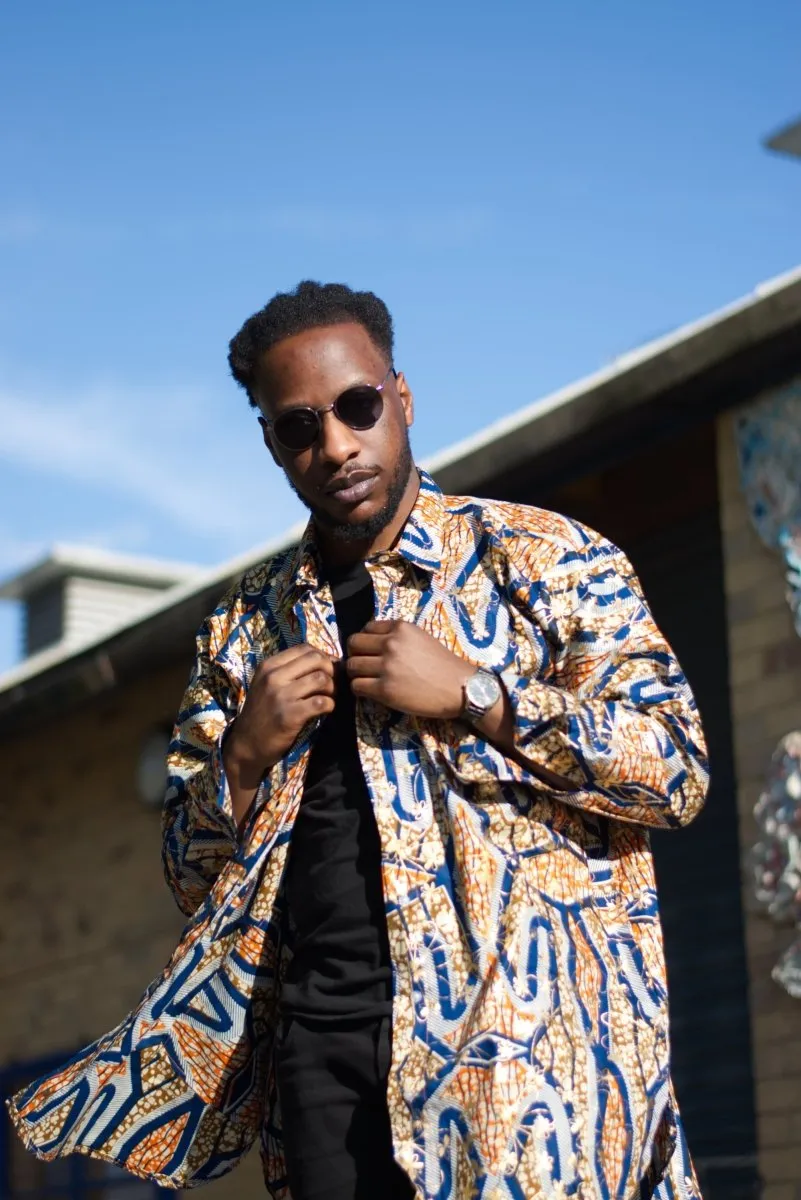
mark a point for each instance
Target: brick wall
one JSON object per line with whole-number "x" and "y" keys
{"x": 88, "y": 919}
{"x": 765, "y": 673}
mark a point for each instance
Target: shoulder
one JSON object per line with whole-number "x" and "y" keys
{"x": 249, "y": 598}
{"x": 537, "y": 540}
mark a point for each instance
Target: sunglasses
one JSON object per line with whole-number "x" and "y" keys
{"x": 358, "y": 407}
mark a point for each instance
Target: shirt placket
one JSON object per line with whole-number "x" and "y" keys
{"x": 392, "y": 601}
{"x": 315, "y": 612}
{"x": 369, "y": 720}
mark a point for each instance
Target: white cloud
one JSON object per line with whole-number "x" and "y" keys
{"x": 167, "y": 450}
{"x": 17, "y": 553}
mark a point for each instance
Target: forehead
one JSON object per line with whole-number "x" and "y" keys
{"x": 312, "y": 366}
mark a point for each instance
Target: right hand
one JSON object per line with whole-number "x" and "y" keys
{"x": 288, "y": 690}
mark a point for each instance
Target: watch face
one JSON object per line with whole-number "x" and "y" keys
{"x": 483, "y": 690}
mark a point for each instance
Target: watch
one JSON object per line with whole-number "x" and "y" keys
{"x": 481, "y": 692}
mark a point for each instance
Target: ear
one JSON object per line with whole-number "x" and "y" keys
{"x": 265, "y": 433}
{"x": 406, "y": 398}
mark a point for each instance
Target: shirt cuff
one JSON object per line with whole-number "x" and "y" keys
{"x": 535, "y": 706}
{"x": 270, "y": 784}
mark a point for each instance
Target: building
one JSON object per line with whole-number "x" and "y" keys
{"x": 646, "y": 451}
{"x": 786, "y": 140}
{"x": 77, "y": 593}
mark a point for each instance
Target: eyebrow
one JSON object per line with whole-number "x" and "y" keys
{"x": 360, "y": 381}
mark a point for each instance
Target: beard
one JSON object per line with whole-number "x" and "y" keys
{"x": 363, "y": 531}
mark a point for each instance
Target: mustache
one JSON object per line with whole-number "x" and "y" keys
{"x": 342, "y": 477}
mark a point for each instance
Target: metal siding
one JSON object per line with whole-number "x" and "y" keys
{"x": 93, "y": 605}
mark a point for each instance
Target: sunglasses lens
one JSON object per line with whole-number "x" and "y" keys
{"x": 360, "y": 407}
{"x": 297, "y": 430}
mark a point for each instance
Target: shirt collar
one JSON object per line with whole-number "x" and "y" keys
{"x": 422, "y": 537}
{"x": 420, "y": 542}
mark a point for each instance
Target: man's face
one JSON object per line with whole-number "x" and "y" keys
{"x": 352, "y": 480}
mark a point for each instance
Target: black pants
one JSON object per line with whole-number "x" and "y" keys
{"x": 332, "y": 1081}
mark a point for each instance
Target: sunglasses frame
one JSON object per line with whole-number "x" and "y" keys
{"x": 318, "y": 413}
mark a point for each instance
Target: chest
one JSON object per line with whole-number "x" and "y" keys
{"x": 470, "y": 612}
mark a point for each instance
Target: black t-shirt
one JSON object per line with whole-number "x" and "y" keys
{"x": 340, "y": 966}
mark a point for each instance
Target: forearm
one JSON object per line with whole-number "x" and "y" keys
{"x": 198, "y": 832}
{"x": 646, "y": 765}
{"x": 244, "y": 776}
{"x": 498, "y": 728}
{"x": 615, "y": 728}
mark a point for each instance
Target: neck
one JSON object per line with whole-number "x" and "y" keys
{"x": 337, "y": 552}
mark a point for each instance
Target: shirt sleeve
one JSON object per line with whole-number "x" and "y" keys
{"x": 199, "y": 833}
{"x": 614, "y": 716}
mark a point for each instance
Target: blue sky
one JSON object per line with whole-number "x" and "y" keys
{"x": 534, "y": 189}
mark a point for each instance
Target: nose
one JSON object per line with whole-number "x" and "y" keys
{"x": 336, "y": 443}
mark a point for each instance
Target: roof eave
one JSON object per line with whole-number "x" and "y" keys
{"x": 65, "y": 561}
{"x": 674, "y": 371}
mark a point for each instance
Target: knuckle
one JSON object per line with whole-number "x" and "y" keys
{"x": 262, "y": 674}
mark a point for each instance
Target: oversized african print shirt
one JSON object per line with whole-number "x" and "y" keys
{"x": 530, "y": 1048}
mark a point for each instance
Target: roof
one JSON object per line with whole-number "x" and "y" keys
{"x": 630, "y": 381}
{"x": 704, "y": 366}
{"x": 787, "y": 140}
{"x": 63, "y": 561}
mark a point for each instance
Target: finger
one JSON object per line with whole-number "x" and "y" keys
{"x": 302, "y": 664}
{"x": 380, "y": 627}
{"x": 364, "y": 666}
{"x": 284, "y": 657}
{"x": 370, "y": 689}
{"x": 316, "y": 683}
{"x": 366, "y": 643}
{"x": 314, "y": 706}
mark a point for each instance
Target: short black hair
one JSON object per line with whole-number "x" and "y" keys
{"x": 309, "y": 306}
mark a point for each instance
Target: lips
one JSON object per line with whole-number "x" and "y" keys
{"x": 354, "y": 489}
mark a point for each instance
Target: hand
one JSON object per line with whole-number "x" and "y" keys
{"x": 288, "y": 690}
{"x": 407, "y": 669}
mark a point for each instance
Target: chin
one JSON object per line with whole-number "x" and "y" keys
{"x": 370, "y": 508}
{"x": 361, "y": 525}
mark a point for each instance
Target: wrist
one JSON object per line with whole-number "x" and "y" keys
{"x": 244, "y": 766}
{"x": 497, "y": 724}
{"x": 482, "y": 694}
{"x": 455, "y": 705}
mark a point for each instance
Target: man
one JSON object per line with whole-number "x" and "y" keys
{"x": 410, "y": 789}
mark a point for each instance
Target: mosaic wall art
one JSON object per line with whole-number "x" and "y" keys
{"x": 769, "y": 447}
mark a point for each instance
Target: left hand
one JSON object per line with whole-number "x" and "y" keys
{"x": 407, "y": 669}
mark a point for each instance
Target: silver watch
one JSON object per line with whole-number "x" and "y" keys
{"x": 481, "y": 692}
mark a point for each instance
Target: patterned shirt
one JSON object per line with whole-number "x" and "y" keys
{"x": 530, "y": 1049}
